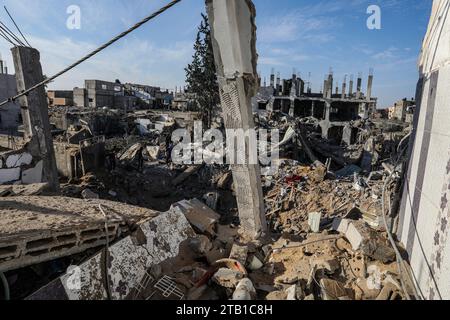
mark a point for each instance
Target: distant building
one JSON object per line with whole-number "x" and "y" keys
{"x": 10, "y": 114}
{"x": 99, "y": 94}
{"x": 333, "y": 108}
{"x": 60, "y": 98}
{"x": 403, "y": 110}
{"x": 183, "y": 101}
{"x": 153, "y": 97}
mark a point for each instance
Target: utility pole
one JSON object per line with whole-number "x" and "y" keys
{"x": 35, "y": 112}
{"x": 233, "y": 34}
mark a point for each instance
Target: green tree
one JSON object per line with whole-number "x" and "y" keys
{"x": 201, "y": 78}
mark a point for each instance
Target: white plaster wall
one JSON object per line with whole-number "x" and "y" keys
{"x": 425, "y": 230}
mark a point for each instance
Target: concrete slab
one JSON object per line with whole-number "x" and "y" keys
{"x": 128, "y": 263}
{"x": 37, "y": 229}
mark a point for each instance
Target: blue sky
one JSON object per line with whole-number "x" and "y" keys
{"x": 311, "y": 36}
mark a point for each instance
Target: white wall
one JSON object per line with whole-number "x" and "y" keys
{"x": 425, "y": 212}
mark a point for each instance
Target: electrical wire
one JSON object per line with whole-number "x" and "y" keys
{"x": 18, "y": 29}
{"x": 390, "y": 236}
{"x": 5, "y": 36}
{"x": 107, "y": 277}
{"x": 93, "y": 53}
{"x": 400, "y": 261}
{"x": 7, "y": 30}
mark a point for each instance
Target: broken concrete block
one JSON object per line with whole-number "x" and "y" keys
{"x": 199, "y": 215}
{"x": 362, "y": 237}
{"x": 354, "y": 235}
{"x": 255, "y": 264}
{"x": 239, "y": 253}
{"x": 9, "y": 175}
{"x": 314, "y": 221}
{"x": 245, "y": 291}
{"x": 227, "y": 278}
{"x": 128, "y": 265}
{"x": 33, "y": 175}
{"x": 292, "y": 293}
{"x": 340, "y": 225}
{"x": 89, "y": 194}
{"x": 333, "y": 290}
{"x": 17, "y": 160}
{"x": 200, "y": 245}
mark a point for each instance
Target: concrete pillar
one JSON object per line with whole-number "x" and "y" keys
{"x": 278, "y": 84}
{"x": 327, "y": 111}
{"x": 292, "y": 108}
{"x": 35, "y": 112}
{"x": 369, "y": 86}
{"x": 233, "y": 33}
{"x": 313, "y": 108}
{"x": 344, "y": 88}
{"x": 358, "y": 87}
{"x": 350, "y": 91}
{"x": 330, "y": 86}
{"x": 272, "y": 79}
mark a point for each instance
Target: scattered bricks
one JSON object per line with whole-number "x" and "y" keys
{"x": 227, "y": 278}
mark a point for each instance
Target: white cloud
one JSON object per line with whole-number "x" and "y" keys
{"x": 132, "y": 60}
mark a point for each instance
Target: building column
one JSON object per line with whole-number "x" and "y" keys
{"x": 35, "y": 112}
{"x": 233, "y": 33}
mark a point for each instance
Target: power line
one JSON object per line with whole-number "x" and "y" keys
{"x": 18, "y": 29}
{"x": 93, "y": 53}
{"x": 11, "y": 34}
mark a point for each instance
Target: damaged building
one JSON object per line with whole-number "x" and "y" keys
{"x": 334, "y": 107}
{"x": 95, "y": 207}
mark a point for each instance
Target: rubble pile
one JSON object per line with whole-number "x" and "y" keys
{"x": 323, "y": 205}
